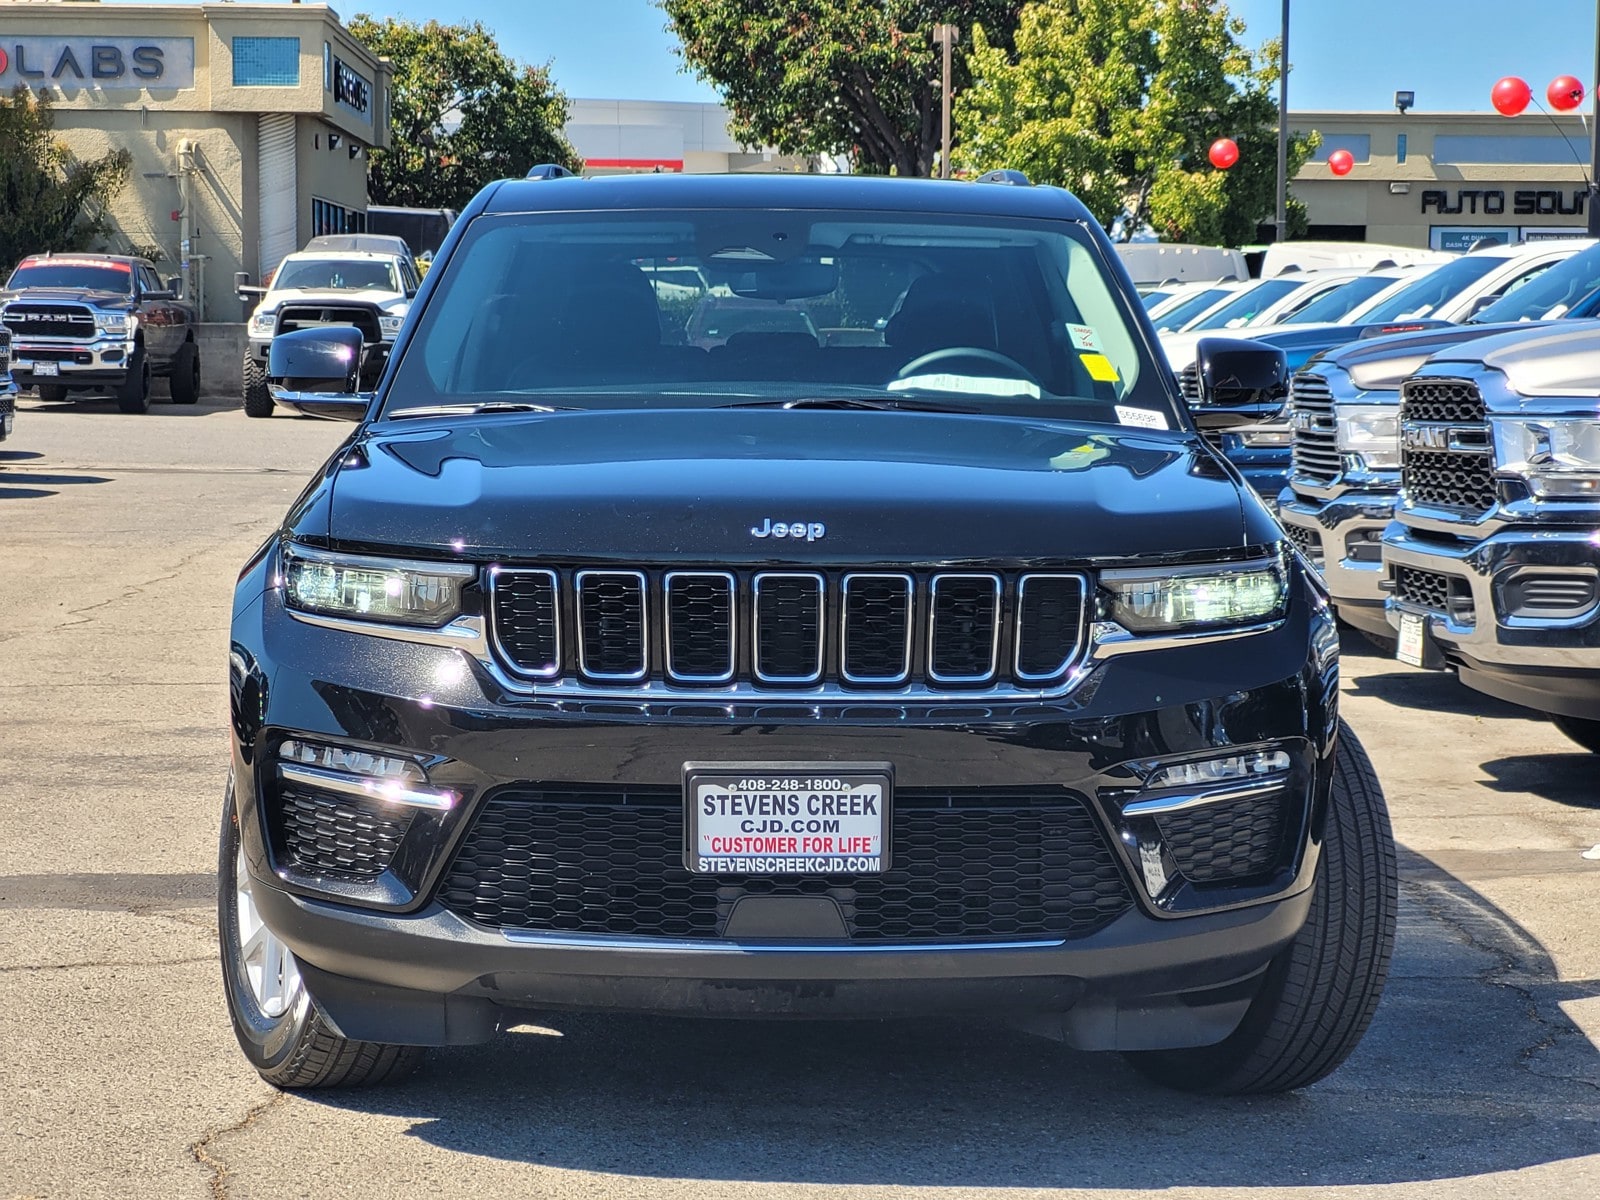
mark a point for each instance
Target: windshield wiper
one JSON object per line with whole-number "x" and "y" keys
{"x": 488, "y": 406}
{"x": 859, "y": 402}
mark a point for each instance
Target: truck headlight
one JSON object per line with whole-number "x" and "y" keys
{"x": 396, "y": 591}
{"x": 111, "y": 322}
{"x": 263, "y": 323}
{"x": 1558, "y": 456}
{"x": 1157, "y": 599}
{"x": 1371, "y": 431}
{"x": 390, "y": 326}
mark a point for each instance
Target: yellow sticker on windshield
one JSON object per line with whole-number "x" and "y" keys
{"x": 1100, "y": 368}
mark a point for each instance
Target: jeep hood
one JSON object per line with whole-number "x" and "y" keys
{"x": 691, "y": 485}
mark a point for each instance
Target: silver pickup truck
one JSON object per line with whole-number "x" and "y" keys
{"x": 1492, "y": 565}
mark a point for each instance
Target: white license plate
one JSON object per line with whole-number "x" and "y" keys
{"x": 1413, "y": 639}
{"x": 787, "y": 818}
{"x": 46, "y": 368}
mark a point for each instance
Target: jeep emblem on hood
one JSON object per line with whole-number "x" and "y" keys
{"x": 812, "y": 531}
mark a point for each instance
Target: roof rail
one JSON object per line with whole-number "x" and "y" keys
{"x": 1006, "y": 176}
{"x": 550, "y": 171}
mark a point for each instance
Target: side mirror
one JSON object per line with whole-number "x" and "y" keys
{"x": 314, "y": 371}
{"x": 244, "y": 289}
{"x": 1241, "y": 383}
{"x": 175, "y": 284}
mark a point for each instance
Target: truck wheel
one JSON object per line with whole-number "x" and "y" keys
{"x": 133, "y": 395}
{"x": 53, "y": 393}
{"x": 186, "y": 374}
{"x": 257, "y": 400}
{"x": 1583, "y": 730}
{"x": 276, "y": 1020}
{"x": 1318, "y": 996}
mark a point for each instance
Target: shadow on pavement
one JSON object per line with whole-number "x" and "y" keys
{"x": 11, "y": 483}
{"x": 1470, "y": 1068}
{"x": 1569, "y": 779}
{"x": 1432, "y": 691}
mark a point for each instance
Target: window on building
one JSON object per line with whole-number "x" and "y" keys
{"x": 328, "y": 217}
{"x": 1359, "y": 145}
{"x": 327, "y": 67}
{"x": 1508, "y": 148}
{"x": 266, "y": 62}
{"x": 1399, "y": 147}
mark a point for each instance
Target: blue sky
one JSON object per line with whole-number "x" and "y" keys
{"x": 1347, "y": 54}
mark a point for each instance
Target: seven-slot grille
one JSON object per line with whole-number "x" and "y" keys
{"x": 1455, "y": 468}
{"x": 1316, "y": 450}
{"x": 781, "y": 630}
{"x": 48, "y": 320}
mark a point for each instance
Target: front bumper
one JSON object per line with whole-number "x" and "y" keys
{"x": 397, "y": 961}
{"x": 1343, "y": 534}
{"x": 101, "y": 361}
{"x": 1550, "y": 664}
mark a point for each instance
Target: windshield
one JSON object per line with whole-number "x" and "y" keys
{"x": 338, "y": 274}
{"x": 1184, "y": 311}
{"x": 1331, "y": 306}
{"x": 572, "y": 310}
{"x": 1248, "y": 305}
{"x": 1424, "y": 297}
{"x": 87, "y": 274}
{"x": 1549, "y": 294}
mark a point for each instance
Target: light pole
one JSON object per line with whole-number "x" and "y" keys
{"x": 946, "y": 37}
{"x": 1283, "y": 132}
{"x": 1593, "y": 205}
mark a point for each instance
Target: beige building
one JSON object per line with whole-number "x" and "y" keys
{"x": 619, "y": 137}
{"x": 248, "y": 125}
{"x": 1444, "y": 180}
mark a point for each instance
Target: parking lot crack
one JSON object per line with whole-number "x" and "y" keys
{"x": 112, "y": 964}
{"x": 202, "y": 1149}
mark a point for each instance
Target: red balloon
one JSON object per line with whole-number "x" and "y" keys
{"x": 1565, "y": 93}
{"x": 1341, "y": 161}
{"x": 1510, "y": 96}
{"x": 1224, "y": 153}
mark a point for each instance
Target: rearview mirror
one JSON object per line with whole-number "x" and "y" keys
{"x": 314, "y": 371}
{"x": 1241, "y": 383}
{"x": 797, "y": 279}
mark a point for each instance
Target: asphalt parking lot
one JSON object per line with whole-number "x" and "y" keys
{"x": 120, "y": 537}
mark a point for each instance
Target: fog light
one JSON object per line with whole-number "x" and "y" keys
{"x": 1237, "y": 767}
{"x": 361, "y": 773}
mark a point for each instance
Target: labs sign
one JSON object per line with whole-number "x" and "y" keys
{"x": 96, "y": 62}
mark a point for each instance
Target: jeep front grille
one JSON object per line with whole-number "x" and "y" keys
{"x": 1316, "y": 436}
{"x": 1446, "y": 460}
{"x": 30, "y": 320}
{"x": 775, "y": 631}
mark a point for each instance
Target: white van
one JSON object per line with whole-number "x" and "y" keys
{"x": 1159, "y": 262}
{"x": 1322, "y": 256}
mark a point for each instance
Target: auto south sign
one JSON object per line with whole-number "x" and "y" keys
{"x": 90, "y": 62}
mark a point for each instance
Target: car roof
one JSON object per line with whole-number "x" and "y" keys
{"x": 782, "y": 191}
{"x": 341, "y": 255}
{"x": 75, "y": 256}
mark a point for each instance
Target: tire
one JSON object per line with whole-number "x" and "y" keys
{"x": 53, "y": 393}
{"x": 1583, "y": 730}
{"x": 133, "y": 394}
{"x": 186, "y": 374}
{"x": 257, "y": 400}
{"x": 291, "y": 1046}
{"x": 1318, "y": 996}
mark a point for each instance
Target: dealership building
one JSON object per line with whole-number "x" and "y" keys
{"x": 1446, "y": 180}
{"x": 248, "y": 125}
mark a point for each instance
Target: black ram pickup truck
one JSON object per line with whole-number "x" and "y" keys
{"x": 924, "y": 660}
{"x": 99, "y": 322}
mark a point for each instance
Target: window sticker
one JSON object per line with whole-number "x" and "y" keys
{"x": 1084, "y": 338}
{"x": 1141, "y": 418}
{"x": 1100, "y": 368}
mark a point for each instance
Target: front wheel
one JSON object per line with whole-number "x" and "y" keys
{"x": 275, "y": 1018}
{"x": 52, "y": 393}
{"x": 1318, "y": 996}
{"x": 1583, "y": 730}
{"x": 257, "y": 399}
{"x": 133, "y": 394}
{"x": 186, "y": 374}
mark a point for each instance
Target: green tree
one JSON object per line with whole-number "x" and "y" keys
{"x": 1120, "y": 100}
{"x": 48, "y": 199}
{"x": 462, "y": 113}
{"x": 857, "y": 77}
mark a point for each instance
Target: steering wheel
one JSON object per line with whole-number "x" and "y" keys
{"x": 923, "y": 361}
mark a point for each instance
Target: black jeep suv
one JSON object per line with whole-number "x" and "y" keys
{"x": 916, "y": 657}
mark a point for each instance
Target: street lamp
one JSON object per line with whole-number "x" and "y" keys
{"x": 1283, "y": 129}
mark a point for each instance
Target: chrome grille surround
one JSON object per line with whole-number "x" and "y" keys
{"x": 1315, "y": 455}
{"x": 714, "y": 588}
{"x": 796, "y": 586}
{"x": 881, "y": 602}
{"x": 604, "y": 621}
{"x": 983, "y": 592}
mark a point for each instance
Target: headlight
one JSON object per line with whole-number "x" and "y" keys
{"x": 263, "y": 323}
{"x": 1559, "y": 456}
{"x": 1371, "y": 431}
{"x": 390, "y": 326}
{"x": 1156, "y": 599}
{"x": 374, "y": 589}
{"x": 111, "y": 322}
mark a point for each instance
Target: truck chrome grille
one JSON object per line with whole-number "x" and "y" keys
{"x": 1433, "y": 591}
{"x": 931, "y": 632}
{"x": 1189, "y": 383}
{"x": 25, "y": 319}
{"x": 1446, "y": 459}
{"x": 1315, "y": 455}
{"x": 318, "y": 316}
{"x": 1307, "y": 541}
{"x": 972, "y": 864}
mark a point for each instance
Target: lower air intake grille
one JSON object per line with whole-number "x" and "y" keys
{"x": 971, "y": 865}
{"x": 325, "y": 834}
{"x": 1308, "y": 542}
{"x": 1227, "y": 843}
{"x": 1425, "y": 589}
